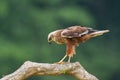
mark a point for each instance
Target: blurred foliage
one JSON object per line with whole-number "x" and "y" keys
{"x": 25, "y": 24}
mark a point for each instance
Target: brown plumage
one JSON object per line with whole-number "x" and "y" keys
{"x": 72, "y": 37}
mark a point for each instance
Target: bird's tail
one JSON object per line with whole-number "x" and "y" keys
{"x": 98, "y": 33}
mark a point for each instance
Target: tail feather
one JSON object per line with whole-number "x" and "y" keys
{"x": 97, "y": 33}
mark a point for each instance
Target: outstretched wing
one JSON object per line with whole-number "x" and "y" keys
{"x": 75, "y": 31}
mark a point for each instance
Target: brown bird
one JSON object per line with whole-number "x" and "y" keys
{"x": 72, "y": 37}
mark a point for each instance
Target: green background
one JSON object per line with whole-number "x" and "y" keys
{"x": 25, "y": 25}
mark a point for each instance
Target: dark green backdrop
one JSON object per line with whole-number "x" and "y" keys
{"x": 25, "y": 24}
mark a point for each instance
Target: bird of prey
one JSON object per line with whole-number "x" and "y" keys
{"x": 72, "y": 37}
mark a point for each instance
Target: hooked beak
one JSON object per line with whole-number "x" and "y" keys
{"x": 50, "y": 42}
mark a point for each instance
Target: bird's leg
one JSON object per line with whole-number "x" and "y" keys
{"x": 69, "y": 59}
{"x": 62, "y": 59}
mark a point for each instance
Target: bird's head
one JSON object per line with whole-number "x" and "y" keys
{"x": 50, "y": 37}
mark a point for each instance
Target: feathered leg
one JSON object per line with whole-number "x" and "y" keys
{"x": 70, "y": 51}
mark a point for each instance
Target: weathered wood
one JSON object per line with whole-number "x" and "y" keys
{"x": 32, "y": 68}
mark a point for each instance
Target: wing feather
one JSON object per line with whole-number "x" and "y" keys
{"x": 74, "y": 31}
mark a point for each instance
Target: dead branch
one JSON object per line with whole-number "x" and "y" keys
{"x": 32, "y": 68}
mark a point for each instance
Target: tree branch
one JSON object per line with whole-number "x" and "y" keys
{"x": 32, "y": 68}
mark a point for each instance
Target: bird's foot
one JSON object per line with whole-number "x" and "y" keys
{"x": 60, "y": 62}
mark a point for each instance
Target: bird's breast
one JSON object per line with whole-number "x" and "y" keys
{"x": 60, "y": 40}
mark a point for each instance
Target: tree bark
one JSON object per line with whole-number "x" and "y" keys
{"x": 29, "y": 69}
